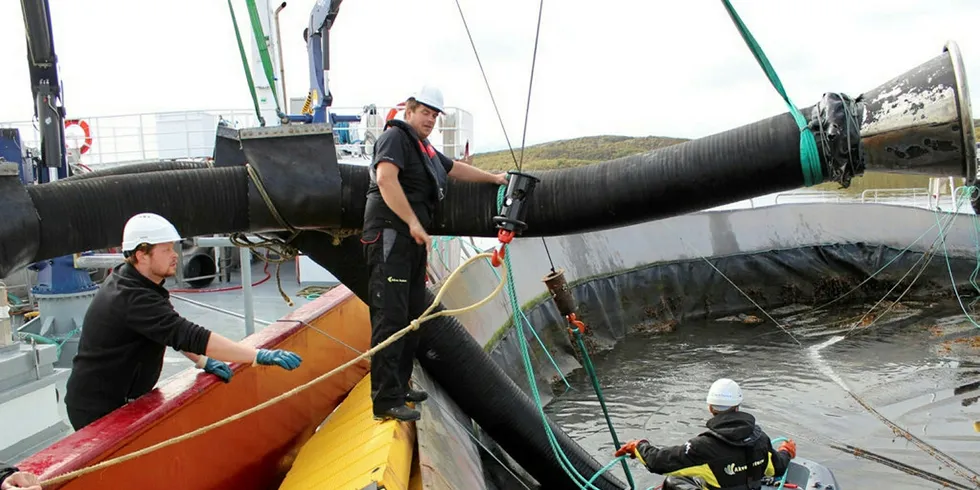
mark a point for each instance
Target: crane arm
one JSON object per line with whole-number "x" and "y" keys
{"x": 46, "y": 88}
{"x": 317, "y": 36}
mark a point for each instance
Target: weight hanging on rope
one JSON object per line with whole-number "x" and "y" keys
{"x": 560, "y": 293}
{"x": 519, "y": 189}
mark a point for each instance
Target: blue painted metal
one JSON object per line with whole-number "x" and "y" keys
{"x": 59, "y": 276}
{"x": 12, "y": 151}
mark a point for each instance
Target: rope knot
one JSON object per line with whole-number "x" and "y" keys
{"x": 415, "y": 324}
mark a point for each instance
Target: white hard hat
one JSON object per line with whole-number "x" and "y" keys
{"x": 724, "y": 394}
{"x": 148, "y": 228}
{"x": 430, "y": 96}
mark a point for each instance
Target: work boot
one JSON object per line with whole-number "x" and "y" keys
{"x": 416, "y": 396}
{"x": 400, "y": 413}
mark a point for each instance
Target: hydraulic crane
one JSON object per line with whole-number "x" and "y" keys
{"x": 46, "y": 89}
{"x": 61, "y": 290}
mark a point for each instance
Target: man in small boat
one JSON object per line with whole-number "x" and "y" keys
{"x": 408, "y": 180}
{"x": 11, "y": 478}
{"x": 130, "y": 323}
{"x": 734, "y": 453}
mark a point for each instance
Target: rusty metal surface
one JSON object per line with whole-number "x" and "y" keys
{"x": 448, "y": 457}
{"x": 920, "y": 122}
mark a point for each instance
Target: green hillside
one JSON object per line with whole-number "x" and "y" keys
{"x": 592, "y": 149}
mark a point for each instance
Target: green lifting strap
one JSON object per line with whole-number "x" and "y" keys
{"x": 253, "y": 13}
{"x": 560, "y": 455}
{"x": 809, "y": 158}
{"x": 248, "y": 73}
{"x": 602, "y": 401}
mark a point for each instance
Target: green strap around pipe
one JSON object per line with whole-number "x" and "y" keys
{"x": 248, "y": 73}
{"x": 253, "y": 13}
{"x": 809, "y": 158}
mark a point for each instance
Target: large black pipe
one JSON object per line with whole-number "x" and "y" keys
{"x": 138, "y": 168}
{"x": 474, "y": 381}
{"x": 89, "y": 214}
{"x": 918, "y": 122}
{"x": 309, "y": 189}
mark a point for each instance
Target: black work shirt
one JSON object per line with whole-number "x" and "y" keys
{"x": 125, "y": 334}
{"x": 422, "y": 173}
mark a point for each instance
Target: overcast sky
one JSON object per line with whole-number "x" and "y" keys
{"x": 623, "y": 67}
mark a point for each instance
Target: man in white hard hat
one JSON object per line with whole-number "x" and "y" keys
{"x": 408, "y": 180}
{"x": 130, "y": 323}
{"x": 734, "y": 453}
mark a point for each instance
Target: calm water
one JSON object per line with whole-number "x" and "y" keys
{"x": 904, "y": 365}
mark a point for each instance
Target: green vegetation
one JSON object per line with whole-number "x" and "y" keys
{"x": 583, "y": 151}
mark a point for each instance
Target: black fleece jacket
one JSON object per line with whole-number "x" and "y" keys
{"x": 125, "y": 333}
{"x": 734, "y": 453}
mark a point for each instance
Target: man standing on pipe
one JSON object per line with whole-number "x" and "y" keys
{"x": 733, "y": 454}
{"x": 130, "y": 323}
{"x": 408, "y": 179}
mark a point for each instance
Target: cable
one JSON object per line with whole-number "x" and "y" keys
{"x": 487, "y": 81}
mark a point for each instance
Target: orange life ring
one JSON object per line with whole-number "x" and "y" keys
{"x": 394, "y": 111}
{"x": 85, "y": 128}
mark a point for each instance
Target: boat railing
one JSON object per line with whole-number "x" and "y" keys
{"x": 128, "y": 138}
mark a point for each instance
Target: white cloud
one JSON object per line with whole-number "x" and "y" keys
{"x": 612, "y": 67}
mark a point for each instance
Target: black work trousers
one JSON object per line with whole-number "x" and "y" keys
{"x": 80, "y": 418}
{"x": 396, "y": 288}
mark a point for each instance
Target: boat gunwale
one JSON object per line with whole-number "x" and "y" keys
{"x": 113, "y": 432}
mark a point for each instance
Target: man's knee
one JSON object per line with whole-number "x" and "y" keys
{"x": 684, "y": 483}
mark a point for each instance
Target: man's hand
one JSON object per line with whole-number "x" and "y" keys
{"x": 630, "y": 448}
{"x": 420, "y": 235}
{"x": 502, "y": 179}
{"x": 219, "y": 369}
{"x": 21, "y": 480}
{"x": 789, "y": 446}
{"x": 282, "y": 358}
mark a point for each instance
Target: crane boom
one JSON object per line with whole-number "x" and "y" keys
{"x": 46, "y": 89}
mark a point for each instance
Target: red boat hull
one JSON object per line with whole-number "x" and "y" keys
{"x": 252, "y": 453}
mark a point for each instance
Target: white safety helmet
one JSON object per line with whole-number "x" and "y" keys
{"x": 430, "y": 96}
{"x": 724, "y": 394}
{"x": 148, "y": 228}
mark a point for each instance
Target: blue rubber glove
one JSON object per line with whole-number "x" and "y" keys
{"x": 282, "y": 358}
{"x": 218, "y": 368}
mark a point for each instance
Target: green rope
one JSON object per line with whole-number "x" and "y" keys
{"x": 58, "y": 343}
{"x": 949, "y": 266}
{"x": 253, "y": 13}
{"x": 248, "y": 73}
{"x": 620, "y": 459}
{"x": 809, "y": 158}
{"x": 563, "y": 461}
{"x": 602, "y": 401}
{"x": 524, "y": 318}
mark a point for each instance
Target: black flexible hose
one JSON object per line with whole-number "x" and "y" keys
{"x": 137, "y": 168}
{"x": 311, "y": 190}
{"x": 89, "y": 214}
{"x": 475, "y": 382}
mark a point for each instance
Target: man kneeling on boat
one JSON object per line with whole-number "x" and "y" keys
{"x": 734, "y": 454}
{"x": 130, "y": 323}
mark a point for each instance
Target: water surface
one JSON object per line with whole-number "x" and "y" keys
{"x": 908, "y": 365}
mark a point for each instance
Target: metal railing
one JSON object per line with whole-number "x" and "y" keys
{"x": 112, "y": 259}
{"x": 191, "y": 134}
